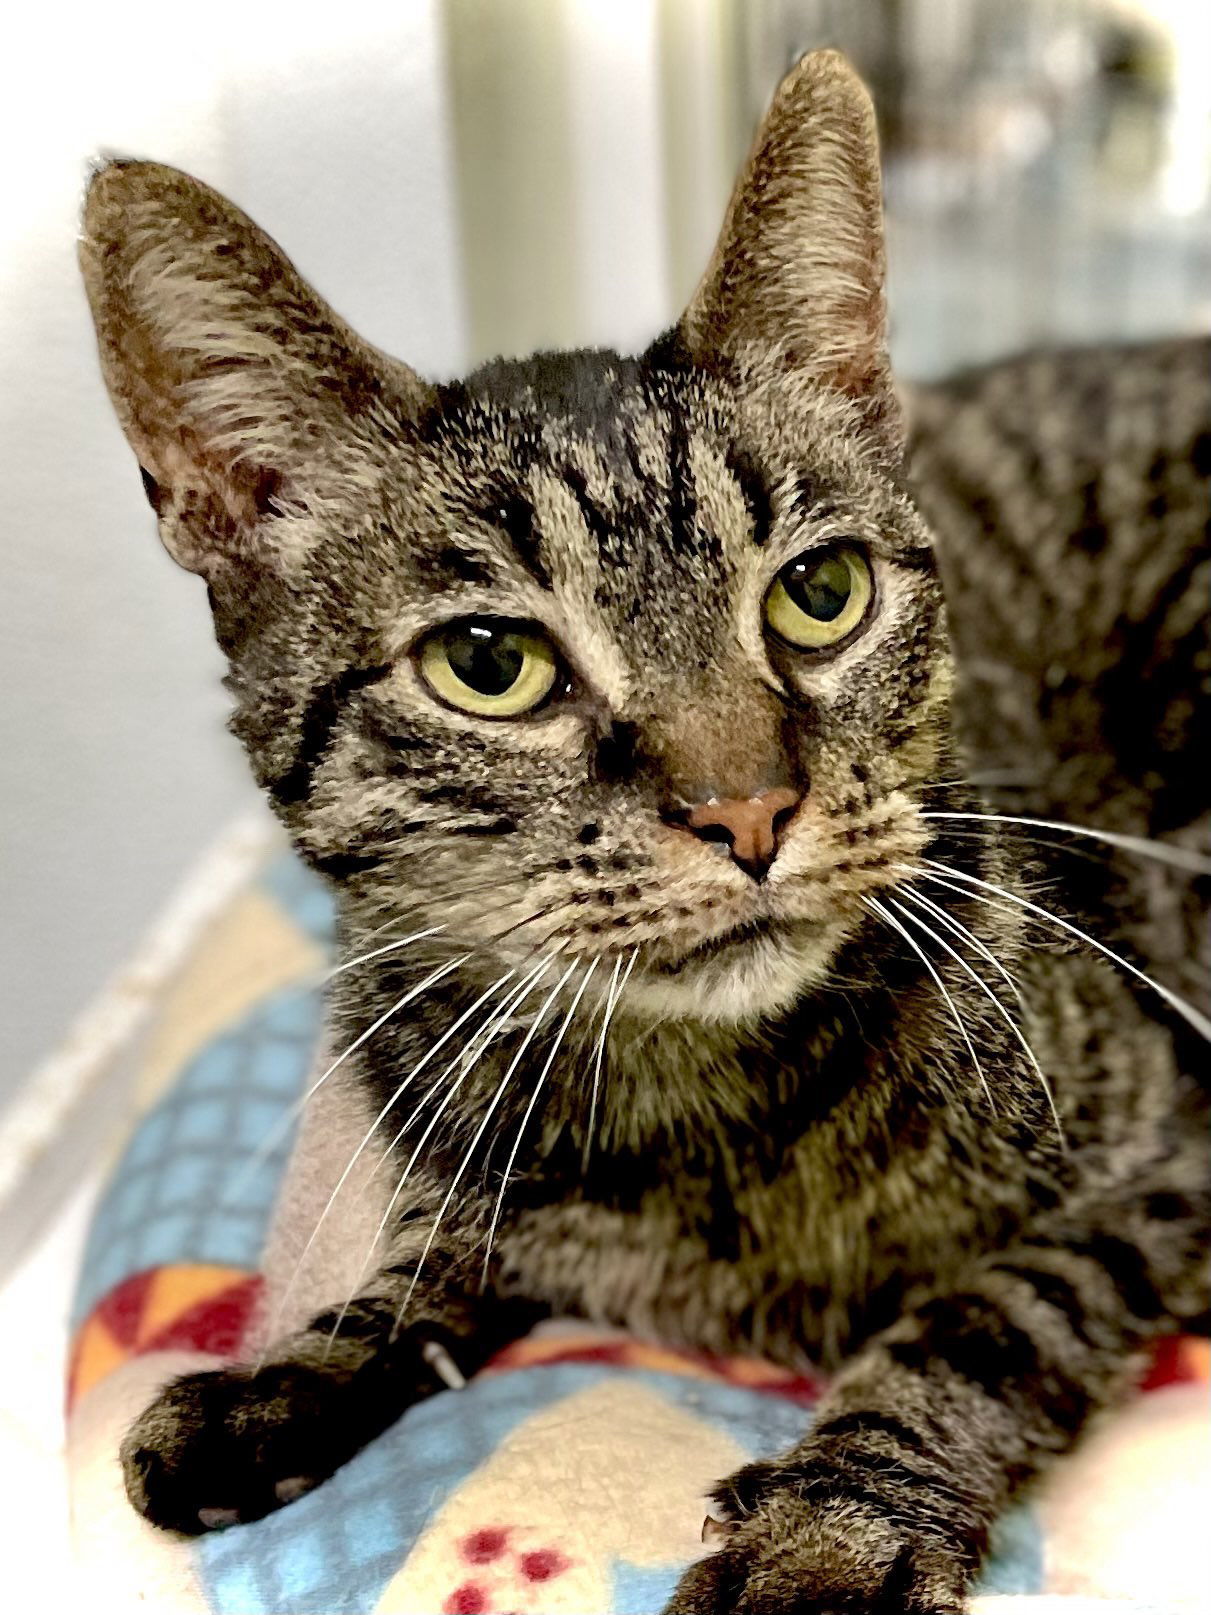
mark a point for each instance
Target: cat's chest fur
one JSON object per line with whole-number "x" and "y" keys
{"x": 796, "y": 1267}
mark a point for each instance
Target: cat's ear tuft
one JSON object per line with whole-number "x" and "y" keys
{"x": 796, "y": 280}
{"x": 231, "y": 378}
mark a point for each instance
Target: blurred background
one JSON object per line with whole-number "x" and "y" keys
{"x": 463, "y": 179}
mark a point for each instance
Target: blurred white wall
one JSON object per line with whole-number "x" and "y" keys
{"x": 328, "y": 125}
{"x": 621, "y": 234}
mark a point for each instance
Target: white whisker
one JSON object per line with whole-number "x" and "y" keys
{"x": 960, "y": 930}
{"x": 292, "y": 1113}
{"x": 435, "y": 1048}
{"x": 1162, "y": 851}
{"x": 453, "y": 897}
{"x": 475, "y": 1141}
{"x": 1090, "y": 855}
{"x": 478, "y": 1042}
{"x": 387, "y": 947}
{"x": 874, "y": 903}
{"x": 542, "y": 1077}
{"x": 997, "y": 1005}
{"x": 605, "y": 1018}
{"x": 1198, "y": 1021}
{"x": 434, "y": 976}
{"x": 464, "y": 1061}
{"x": 612, "y": 997}
{"x": 403, "y": 941}
{"x": 295, "y": 1110}
{"x": 384, "y": 1112}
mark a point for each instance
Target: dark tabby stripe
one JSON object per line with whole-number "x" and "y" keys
{"x": 496, "y": 827}
{"x": 819, "y": 1478}
{"x": 1057, "y": 1292}
{"x": 320, "y": 718}
{"x": 683, "y": 536}
{"x": 748, "y": 476}
{"x": 514, "y": 515}
{"x": 862, "y": 1424}
{"x": 1126, "y": 1265}
{"x": 972, "y": 1335}
{"x": 345, "y": 865}
{"x": 594, "y": 517}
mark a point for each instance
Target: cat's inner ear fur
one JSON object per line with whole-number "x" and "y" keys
{"x": 237, "y": 387}
{"x": 795, "y": 286}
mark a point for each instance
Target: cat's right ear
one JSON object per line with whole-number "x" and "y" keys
{"x": 234, "y": 382}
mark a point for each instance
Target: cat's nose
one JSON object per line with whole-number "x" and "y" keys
{"x": 752, "y": 827}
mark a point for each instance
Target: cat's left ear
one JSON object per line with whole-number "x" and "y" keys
{"x": 794, "y": 290}
{"x": 238, "y": 388}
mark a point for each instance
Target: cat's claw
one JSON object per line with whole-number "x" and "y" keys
{"x": 715, "y": 1532}
{"x": 217, "y": 1519}
{"x": 790, "y": 1554}
{"x": 443, "y": 1365}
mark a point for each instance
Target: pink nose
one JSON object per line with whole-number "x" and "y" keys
{"x": 752, "y": 827}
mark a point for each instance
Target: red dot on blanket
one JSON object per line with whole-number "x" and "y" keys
{"x": 482, "y": 1546}
{"x": 466, "y": 1600}
{"x": 542, "y": 1564}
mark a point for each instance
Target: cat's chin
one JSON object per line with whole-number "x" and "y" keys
{"x": 751, "y": 973}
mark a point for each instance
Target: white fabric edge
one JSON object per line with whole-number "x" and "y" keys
{"x": 37, "y": 1117}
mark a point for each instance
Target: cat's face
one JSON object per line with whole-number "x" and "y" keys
{"x": 600, "y": 544}
{"x": 638, "y": 660}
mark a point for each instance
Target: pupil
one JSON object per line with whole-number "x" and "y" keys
{"x": 820, "y": 588}
{"x": 489, "y": 664}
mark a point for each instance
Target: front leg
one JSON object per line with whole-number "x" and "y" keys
{"x": 930, "y": 1433}
{"x": 232, "y": 1444}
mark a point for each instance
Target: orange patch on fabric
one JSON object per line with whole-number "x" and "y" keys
{"x": 174, "y": 1291}
{"x": 96, "y": 1354}
{"x": 1175, "y": 1360}
{"x": 585, "y": 1347}
{"x": 187, "y": 1306}
{"x": 1178, "y": 1360}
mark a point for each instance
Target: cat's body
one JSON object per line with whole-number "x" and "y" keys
{"x": 1070, "y": 495}
{"x": 750, "y": 1094}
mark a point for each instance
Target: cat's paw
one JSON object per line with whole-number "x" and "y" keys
{"x": 226, "y": 1446}
{"x": 788, "y": 1548}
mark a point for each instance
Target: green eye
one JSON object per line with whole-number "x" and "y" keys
{"x": 820, "y": 598}
{"x": 492, "y": 668}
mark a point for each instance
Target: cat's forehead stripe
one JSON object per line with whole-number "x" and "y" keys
{"x": 514, "y": 514}
{"x": 572, "y": 527}
{"x": 620, "y": 485}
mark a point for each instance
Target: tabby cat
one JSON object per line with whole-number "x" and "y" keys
{"x": 615, "y": 699}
